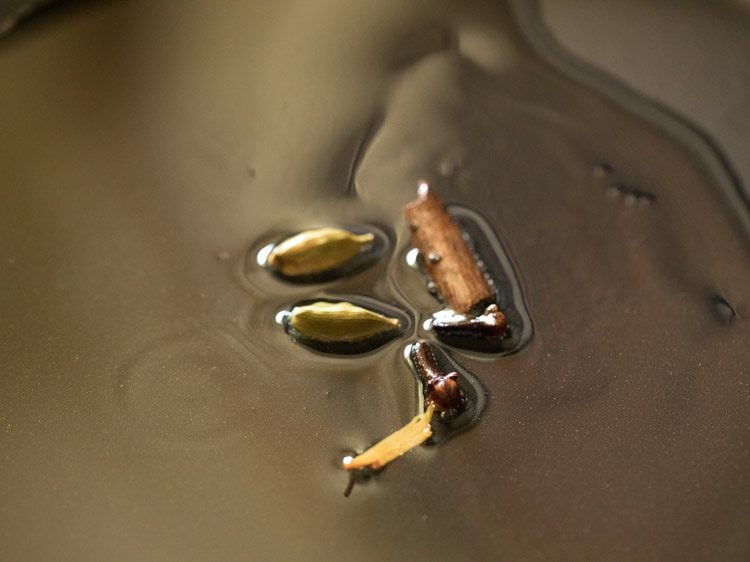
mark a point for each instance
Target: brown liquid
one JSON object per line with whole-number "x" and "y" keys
{"x": 150, "y": 406}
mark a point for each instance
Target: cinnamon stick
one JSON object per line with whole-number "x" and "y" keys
{"x": 445, "y": 254}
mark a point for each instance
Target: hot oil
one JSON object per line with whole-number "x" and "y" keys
{"x": 596, "y": 212}
{"x": 618, "y": 277}
{"x": 210, "y": 434}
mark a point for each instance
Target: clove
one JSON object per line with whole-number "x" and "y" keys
{"x": 442, "y": 390}
{"x": 488, "y": 327}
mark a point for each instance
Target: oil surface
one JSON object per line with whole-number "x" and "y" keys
{"x": 151, "y": 408}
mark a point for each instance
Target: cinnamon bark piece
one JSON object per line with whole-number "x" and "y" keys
{"x": 445, "y": 254}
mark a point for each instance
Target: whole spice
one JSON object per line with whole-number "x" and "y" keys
{"x": 416, "y": 432}
{"x": 445, "y": 254}
{"x": 490, "y": 325}
{"x": 339, "y": 322}
{"x": 316, "y": 251}
{"x": 441, "y": 390}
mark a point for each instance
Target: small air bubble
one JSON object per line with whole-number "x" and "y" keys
{"x": 630, "y": 199}
{"x": 433, "y": 258}
{"x": 633, "y": 195}
{"x": 602, "y": 170}
{"x": 446, "y": 168}
{"x": 723, "y": 311}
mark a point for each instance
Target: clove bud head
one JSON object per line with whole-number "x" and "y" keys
{"x": 444, "y": 393}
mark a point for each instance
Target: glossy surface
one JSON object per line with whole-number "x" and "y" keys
{"x": 150, "y": 407}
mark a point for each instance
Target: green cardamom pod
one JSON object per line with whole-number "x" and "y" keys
{"x": 315, "y": 251}
{"x": 339, "y": 322}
